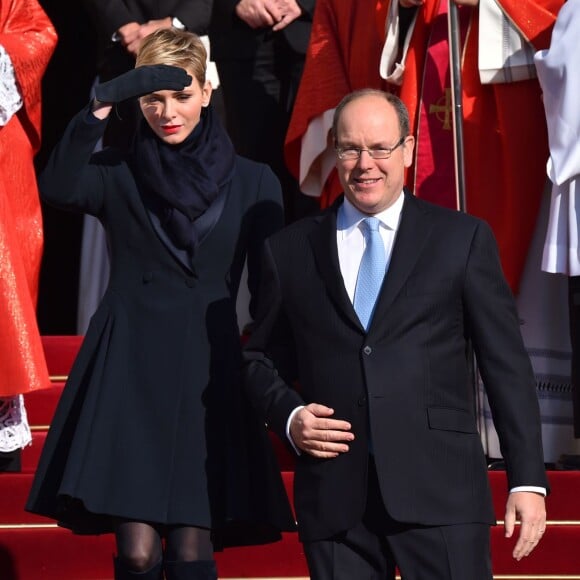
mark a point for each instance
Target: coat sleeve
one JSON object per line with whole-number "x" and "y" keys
{"x": 267, "y": 218}
{"x": 492, "y": 322}
{"x": 72, "y": 179}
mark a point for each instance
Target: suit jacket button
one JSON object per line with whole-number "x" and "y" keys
{"x": 190, "y": 282}
{"x": 147, "y": 277}
{"x": 367, "y": 350}
{"x": 362, "y": 401}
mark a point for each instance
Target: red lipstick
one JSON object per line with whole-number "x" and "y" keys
{"x": 170, "y": 129}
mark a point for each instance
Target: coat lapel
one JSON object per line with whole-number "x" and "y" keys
{"x": 325, "y": 250}
{"x": 414, "y": 230}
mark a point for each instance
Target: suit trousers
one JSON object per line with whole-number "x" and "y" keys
{"x": 377, "y": 545}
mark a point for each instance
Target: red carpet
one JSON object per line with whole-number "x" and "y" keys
{"x": 32, "y": 548}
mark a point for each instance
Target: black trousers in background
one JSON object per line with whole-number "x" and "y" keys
{"x": 258, "y": 95}
{"x": 574, "y": 310}
{"x": 11, "y": 461}
{"x": 372, "y": 549}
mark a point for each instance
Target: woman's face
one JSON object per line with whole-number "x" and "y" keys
{"x": 173, "y": 115}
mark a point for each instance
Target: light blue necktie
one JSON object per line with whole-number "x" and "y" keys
{"x": 371, "y": 271}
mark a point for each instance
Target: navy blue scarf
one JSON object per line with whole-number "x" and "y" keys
{"x": 186, "y": 178}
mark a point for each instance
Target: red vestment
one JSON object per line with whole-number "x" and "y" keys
{"x": 505, "y": 134}
{"x": 29, "y": 39}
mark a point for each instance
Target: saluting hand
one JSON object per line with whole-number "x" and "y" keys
{"x": 142, "y": 81}
{"x": 315, "y": 433}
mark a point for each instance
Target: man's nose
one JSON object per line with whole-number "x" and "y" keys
{"x": 365, "y": 159}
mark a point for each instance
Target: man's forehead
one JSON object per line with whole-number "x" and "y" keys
{"x": 367, "y": 117}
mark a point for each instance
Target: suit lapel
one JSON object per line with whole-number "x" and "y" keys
{"x": 325, "y": 250}
{"x": 414, "y": 230}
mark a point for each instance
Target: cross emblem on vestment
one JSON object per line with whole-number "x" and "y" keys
{"x": 443, "y": 109}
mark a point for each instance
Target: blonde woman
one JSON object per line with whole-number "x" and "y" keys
{"x": 151, "y": 439}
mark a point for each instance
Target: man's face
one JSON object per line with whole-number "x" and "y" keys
{"x": 371, "y": 122}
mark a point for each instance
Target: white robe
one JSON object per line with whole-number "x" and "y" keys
{"x": 559, "y": 75}
{"x": 542, "y": 302}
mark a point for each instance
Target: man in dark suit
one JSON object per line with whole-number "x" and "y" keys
{"x": 390, "y": 468}
{"x": 259, "y": 47}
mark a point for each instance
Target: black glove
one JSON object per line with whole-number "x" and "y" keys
{"x": 142, "y": 81}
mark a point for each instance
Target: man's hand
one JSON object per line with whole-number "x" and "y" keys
{"x": 128, "y": 33}
{"x": 259, "y": 13}
{"x": 290, "y": 11}
{"x": 152, "y": 25}
{"x": 315, "y": 433}
{"x": 144, "y": 31}
{"x": 530, "y": 508}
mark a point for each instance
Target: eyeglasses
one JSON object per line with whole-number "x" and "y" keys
{"x": 350, "y": 153}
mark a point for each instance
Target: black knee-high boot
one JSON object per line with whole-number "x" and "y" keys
{"x": 123, "y": 573}
{"x": 197, "y": 570}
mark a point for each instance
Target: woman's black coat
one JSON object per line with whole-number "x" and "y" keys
{"x": 151, "y": 424}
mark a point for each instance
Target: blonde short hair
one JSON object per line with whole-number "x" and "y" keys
{"x": 176, "y": 48}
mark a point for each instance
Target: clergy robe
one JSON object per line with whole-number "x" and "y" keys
{"x": 29, "y": 39}
{"x": 504, "y": 127}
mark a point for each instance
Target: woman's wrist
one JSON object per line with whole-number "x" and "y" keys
{"x": 101, "y": 110}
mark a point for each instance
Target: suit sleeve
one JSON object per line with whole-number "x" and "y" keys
{"x": 506, "y": 371}
{"x": 269, "y": 356}
{"x": 109, "y": 15}
{"x": 196, "y": 15}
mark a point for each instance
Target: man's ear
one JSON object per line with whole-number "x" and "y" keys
{"x": 408, "y": 147}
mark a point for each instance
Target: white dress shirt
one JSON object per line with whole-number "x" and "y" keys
{"x": 351, "y": 241}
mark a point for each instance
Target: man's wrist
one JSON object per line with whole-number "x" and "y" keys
{"x": 532, "y": 488}
{"x": 288, "y": 434}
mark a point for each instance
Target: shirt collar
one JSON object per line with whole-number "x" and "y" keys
{"x": 349, "y": 216}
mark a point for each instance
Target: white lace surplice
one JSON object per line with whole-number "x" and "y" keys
{"x": 10, "y": 100}
{"x": 14, "y": 429}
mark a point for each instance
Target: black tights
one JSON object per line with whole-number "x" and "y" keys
{"x": 140, "y": 545}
